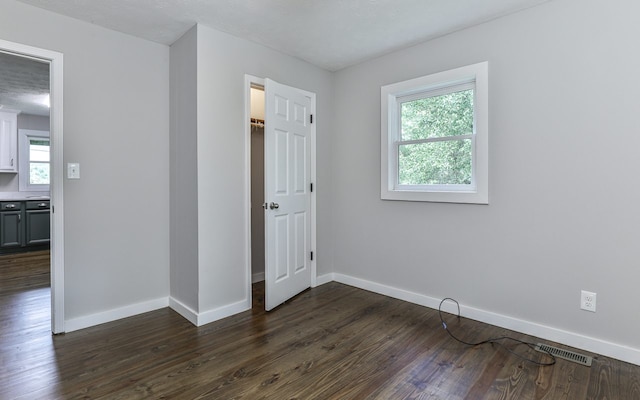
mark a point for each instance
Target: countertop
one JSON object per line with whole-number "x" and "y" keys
{"x": 23, "y": 196}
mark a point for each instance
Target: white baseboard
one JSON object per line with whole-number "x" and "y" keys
{"x": 195, "y": 318}
{"x": 594, "y": 345}
{"x": 75, "y": 324}
{"x": 199, "y": 319}
{"x": 188, "y": 314}
{"x": 223, "y": 312}
{"x": 259, "y": 277}
{"x": 322, "y": 279}
{"x": 572, "y": 339}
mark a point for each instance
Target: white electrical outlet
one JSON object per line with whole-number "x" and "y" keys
{"x": 588, "y": 301}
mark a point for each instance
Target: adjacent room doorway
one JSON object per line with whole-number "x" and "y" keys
{"x": 54, "y": 60}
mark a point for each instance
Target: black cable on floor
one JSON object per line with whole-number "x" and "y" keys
{"x": 497, "y": 340}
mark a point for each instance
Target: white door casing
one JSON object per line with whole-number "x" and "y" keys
{"x": 56, "y": 76}
{"x": 288, "y": 140}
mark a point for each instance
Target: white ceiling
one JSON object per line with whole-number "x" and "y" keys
{"x": 331, "y": 34}
{"x": 24, "y": 85}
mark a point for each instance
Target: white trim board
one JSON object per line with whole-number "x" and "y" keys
{"x": 199, "y": 319}
{"x": 248, "y": 81}
{"x": 594, "y": 345}
{"x": 326, "y": 278}
{"x": 115, "y": 314}
{"x": 219, "y": 313}
{"x": 185, "y": 311}
{"x": 572, "y": 339}
{"x": 257, "y": 277}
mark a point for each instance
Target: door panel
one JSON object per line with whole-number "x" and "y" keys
{"x": 287, "y": 180}
{"x": 282, "y": 247}
{"x": 300, "y": 241}
{"x": 300, "y": 164}
{"x": 281, "y": 159}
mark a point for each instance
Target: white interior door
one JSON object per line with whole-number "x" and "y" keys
{"x": 287, "y": 192}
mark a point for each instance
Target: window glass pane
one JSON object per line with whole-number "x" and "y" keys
{"x": 439, "y": 116}
{"x": 38, "y": 149}
{"x": 435, "y": 163}
{"x": 38, "y": 173}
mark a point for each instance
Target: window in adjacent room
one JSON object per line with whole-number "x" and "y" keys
{"x": 34, "y": 149}
{"x": 434, "y": 137}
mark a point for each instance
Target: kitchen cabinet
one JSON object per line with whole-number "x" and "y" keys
{"x": 38, "y": 223}
{"x": 24, "y": 225}
{"x": 10, "y": 225}
{"x": 8, "y": 142}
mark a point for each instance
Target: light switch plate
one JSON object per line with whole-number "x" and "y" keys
{"x": 73, "y": 171}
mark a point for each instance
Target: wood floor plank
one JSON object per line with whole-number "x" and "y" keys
{"x": 331, "y": 342}
{"x": 565, "y": 381}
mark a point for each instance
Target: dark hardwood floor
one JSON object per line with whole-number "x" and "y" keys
{"x": 331, "y": 342}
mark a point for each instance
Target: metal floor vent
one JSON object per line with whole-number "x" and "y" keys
{"x": 565, "y": 354}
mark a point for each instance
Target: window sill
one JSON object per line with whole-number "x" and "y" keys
{"x": 436, "y": 197}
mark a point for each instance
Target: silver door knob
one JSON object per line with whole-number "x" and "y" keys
{"x": 274, "y": 206}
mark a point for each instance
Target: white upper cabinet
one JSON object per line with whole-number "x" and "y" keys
{"x": 8, "y": 142}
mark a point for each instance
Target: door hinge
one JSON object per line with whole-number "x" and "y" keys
{"x": 311, "y": 118}
{"x": 311, "y": 187}
{"x": 312, "y": 256}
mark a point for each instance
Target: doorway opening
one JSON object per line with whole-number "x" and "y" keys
{"x": 31, "y": 180}
{"x": 256, "y": 122}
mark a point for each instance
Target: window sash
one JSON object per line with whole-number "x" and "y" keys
{"x": 470, "y": 187}
{"x": 397, "y": 142}
{"x": 435, "y": 139}
{"x": 31, "y": 176}
{"x": 438, "y": 90}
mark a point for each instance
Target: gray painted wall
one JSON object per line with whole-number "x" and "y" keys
{"x": 33, "y": 122}
{"x": 116, "y": 125}
{"x": 9, "y": 182}
{"x": 563, "y": 165}
{"x": 184, "y": 172}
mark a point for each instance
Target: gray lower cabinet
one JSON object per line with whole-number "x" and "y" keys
{"x": 10, "y": 225}
{"x": 24, "y": 224}
{"x": 38, "y": 224}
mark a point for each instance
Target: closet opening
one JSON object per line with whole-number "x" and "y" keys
{"x": 257, "y": 195}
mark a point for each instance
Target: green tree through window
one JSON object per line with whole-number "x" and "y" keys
{"x": 436, "y": 139}
{"x": 39, "y": 160}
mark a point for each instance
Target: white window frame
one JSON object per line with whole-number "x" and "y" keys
{"x": 477, "y": 192}
{"x": 24, "y": 161}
